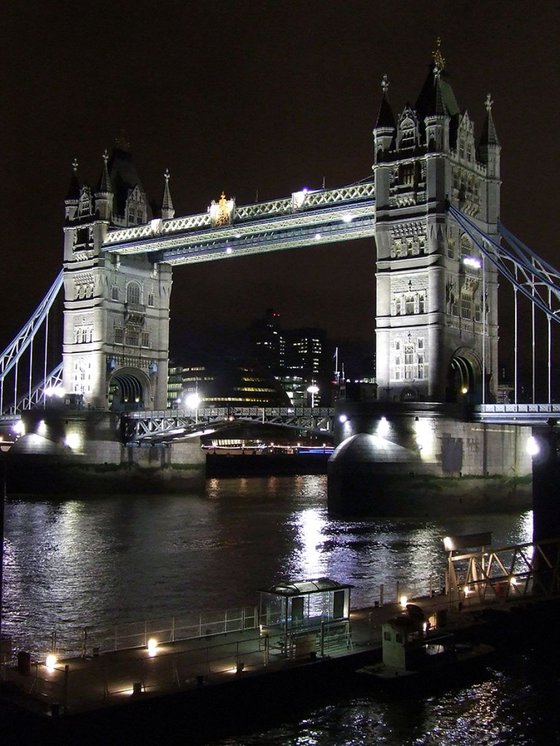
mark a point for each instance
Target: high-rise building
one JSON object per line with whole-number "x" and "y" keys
{"x": 295, "y": 357}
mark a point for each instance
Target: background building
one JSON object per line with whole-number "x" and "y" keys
{"x": 297, "y": 358}
{"x": 223, "y": 383}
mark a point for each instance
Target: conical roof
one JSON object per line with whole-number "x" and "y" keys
{"x": 437, "y": 95}
{"x": 385, "y": 117}
{"x": 123, "y": 176}
{"x": 488, "y": 135}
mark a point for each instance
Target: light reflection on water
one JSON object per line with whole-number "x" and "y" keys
{"x": 97, "y": 562}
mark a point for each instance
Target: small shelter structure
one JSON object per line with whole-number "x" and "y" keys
{"x": 306, "y": 614}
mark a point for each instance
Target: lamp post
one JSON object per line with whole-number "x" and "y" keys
{"x": 313, "y": 390}
{"x": 192, "y": 401}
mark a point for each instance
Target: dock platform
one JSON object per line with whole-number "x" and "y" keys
{"x": 212, "y": 684}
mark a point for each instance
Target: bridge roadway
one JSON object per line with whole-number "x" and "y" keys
{"x": 174, "y": 423}
{"x": 153, "y": 425}
{"x": 305, "y": 218}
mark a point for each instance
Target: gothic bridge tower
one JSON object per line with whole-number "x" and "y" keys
{"x": 437, "y": 314}
{"x": 116, "y": 309}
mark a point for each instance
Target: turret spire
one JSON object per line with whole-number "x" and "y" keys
{"x": 385, "y": 117}
{"x": 439, "y": 59}
{"x": 488, "y": 135}
{"x": 167, "y": 209}
{"x": 104, "y": 185}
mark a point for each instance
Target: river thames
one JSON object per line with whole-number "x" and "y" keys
{"x": 76, "y": 563}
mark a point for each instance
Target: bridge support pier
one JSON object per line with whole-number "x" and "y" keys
{"x": 546, "y": 504}
{"x": 546, "y": 484}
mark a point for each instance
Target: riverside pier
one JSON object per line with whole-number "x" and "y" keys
{"x": 234, "y": 671}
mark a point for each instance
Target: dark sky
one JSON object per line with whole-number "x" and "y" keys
{"x": 246, "y": 96}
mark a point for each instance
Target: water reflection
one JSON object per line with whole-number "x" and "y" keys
{"x": 97, "y": 562}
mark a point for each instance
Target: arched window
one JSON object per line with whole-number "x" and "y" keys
{"x": 133, "y": 293}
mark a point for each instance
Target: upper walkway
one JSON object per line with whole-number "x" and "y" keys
{"x": 305, "y": 218}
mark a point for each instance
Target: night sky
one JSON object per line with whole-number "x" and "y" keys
{"x": 250, "y": 97}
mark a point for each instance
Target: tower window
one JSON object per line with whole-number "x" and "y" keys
{"x": 409, "y": 372}
{"x": 466, "y": 305}
{"x": 115, "y": 292}
{"x": 133, "y": 293}
{"x": 132, "y": 338}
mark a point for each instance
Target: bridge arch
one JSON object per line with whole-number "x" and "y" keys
{"x": 128, "y": 389}
{"x": 464, "y": 376}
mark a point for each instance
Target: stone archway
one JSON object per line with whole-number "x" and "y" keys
{"x": 464, "y": 377}
{"x": 128, "y": 390}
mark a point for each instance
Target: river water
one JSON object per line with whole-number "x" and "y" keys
{"x": 74, "y": 563}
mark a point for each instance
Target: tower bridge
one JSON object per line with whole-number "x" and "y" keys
{"x": 431, "y": 206}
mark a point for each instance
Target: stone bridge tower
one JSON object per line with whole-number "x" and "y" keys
{"x": 116, "y": 309}
{"x": 437, "y": 314}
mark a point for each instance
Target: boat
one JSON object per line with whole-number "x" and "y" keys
{"x": 411, "y": 654}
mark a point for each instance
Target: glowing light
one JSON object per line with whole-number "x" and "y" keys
{"x": 192, "y": 401}
{"x": 19, "y": 428}
{"x": 425, "y": 439}
{"x": 73, "y": 440}
{"x": 342, "y": 418}
{"x": 464, "y": 389}
{"x": 42, "y": 427}
{"x": 448, "y": 544}
{"x": 383, "y": 428}
{"x": 298, "y": 198}
{"x": 152, "y": 647}
{"x": 403, "y": 600}
{"x": 313, "y": 390}
{"x": 50, "y": 661}
{"x": 347, "y": 218}
{"x": 56, "y": 391}
{"x": 317, "y": 236}
{"x": 228, "y": 249}
{"x": 533, "y": 447}
{"x": 472, "y": 261}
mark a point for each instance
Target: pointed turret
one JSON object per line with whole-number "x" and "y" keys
{"x": 489, "y": 153}
{"x": 437, "y": 100}
{"x": 489, "y": 145}
{"x": 167, "y": 209}
{"x": 130, "y": 203}
{"x": 73, "y": 194}
{"x": 104, "y": 192}
{"x": 385, "y": 127}
{"x": 437, "y": 118}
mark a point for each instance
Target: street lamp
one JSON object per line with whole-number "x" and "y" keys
{"x": 313, "y": 390}
{"x": 192, "y": 401}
